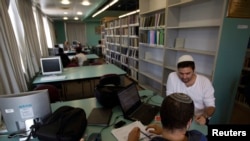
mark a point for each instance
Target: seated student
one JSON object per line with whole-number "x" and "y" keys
{"x": 67, "y": 46}
{"x": 177, "y": 111}
{"x": 64, "y": 57}
{"x": 98, "y": 48}
{"x": 73, "y": 63}
{"x": 80, "y": 56}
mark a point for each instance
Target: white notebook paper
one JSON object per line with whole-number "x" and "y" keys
{"x": 121, "y": 133}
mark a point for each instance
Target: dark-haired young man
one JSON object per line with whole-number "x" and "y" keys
{"x": 197, "y": 86}
{"x": 64, "y": 57}
{"x": 177, "y": 111}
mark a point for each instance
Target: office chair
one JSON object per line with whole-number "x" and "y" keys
{"x": 107, "y": 89}
{"x": 54, "y": 93}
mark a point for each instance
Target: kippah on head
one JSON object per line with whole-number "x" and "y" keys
{"x": 185, "y": 58}
{"x": 180, "y": 97}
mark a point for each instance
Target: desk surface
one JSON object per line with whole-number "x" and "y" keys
{"x": 90, "y": 103}
{"x": 84, "y": 72}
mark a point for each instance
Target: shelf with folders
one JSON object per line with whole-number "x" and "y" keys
{"x": 151, "y": 49}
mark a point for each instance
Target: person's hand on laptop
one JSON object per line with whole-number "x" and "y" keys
{"x": 134, "y": 134}
{"x": 154, "y": 128}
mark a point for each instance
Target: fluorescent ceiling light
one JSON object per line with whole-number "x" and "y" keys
{"x": 85, "y": 2}
{"x": 106, "y": 7}
{"x": 79, "y": 13}
{"x": 65, "y": 18}
{"x": 76, "y": 18}
{"x": 65, "y": 2}
{"x": 65, "y": 13}
{"x": 129, "y": 13}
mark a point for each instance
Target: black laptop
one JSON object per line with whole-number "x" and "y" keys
{"x": 133, "y": 108}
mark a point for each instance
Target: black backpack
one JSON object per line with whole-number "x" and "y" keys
{"x": 65, "y": 124}
{"x": 107, "y": 89}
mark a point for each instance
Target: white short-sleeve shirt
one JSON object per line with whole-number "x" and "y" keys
{"x": 202, "y": 91}
{"x": 81, "y": 58}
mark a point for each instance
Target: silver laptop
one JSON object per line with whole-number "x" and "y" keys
{"x": 133, "y": 108}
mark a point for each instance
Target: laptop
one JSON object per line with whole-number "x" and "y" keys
{"x": 133, "y": 108}
{"x": 100, "y": 117}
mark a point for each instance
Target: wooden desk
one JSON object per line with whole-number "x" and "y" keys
{"x": 90, "y": 103}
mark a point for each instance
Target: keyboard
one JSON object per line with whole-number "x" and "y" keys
{"x": 54, "y": 77}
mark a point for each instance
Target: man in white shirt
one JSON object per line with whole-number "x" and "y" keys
{"x": 198, "y": 87}
{"x": 80, "y": 57}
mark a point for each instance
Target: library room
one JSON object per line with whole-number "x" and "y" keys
{"x": 124, "y": 70}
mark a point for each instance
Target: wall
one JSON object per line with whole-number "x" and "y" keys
{"x": 92, "y": 36}
{"x": 59, "y": 31}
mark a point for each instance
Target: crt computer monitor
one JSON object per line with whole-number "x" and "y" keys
{"x": 19, "y": 108}
{"x": 51, "y": 65}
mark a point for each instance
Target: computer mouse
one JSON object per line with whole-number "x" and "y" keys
{"x": 95, "y": 137}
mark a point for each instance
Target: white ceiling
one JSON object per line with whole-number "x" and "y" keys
{"x": 55, "y": 10}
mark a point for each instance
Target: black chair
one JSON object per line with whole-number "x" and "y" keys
{"x": 107, "y": 89}
{"x": 54, "y": 92}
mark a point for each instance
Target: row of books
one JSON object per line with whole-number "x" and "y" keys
{"x": 113, "y": 47}
{"x": 123, "y": 41}
{"x": 123, "y": 21}
{"x": 157, "y": 19}
{"x": 133, "y": 19}
{"x": 134, "y": 63}
{"x": 134, "y": 42}
{"x": 129, "y": 62}
{"x": 152, "y": 37}
{"x": 124, "y": 59}
{"x": 130, "y": 52}
{"x": 134, "y": 30}
{"x": 134, "y": 74}
{"x": 115, "y": 31}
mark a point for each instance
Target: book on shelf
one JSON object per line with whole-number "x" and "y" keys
{"x": 148, "y": 55}
{"x": 160, "y": 37}
{"x": 179, "y": 42}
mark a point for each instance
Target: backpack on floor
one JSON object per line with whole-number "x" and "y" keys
{"x": 65, "y": 124}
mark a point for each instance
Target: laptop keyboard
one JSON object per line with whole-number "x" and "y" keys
{"x": 50, "y": 78}
{"x": 147, "y": 111}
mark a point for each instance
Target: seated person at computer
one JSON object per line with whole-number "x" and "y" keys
{"x": 67, "y": 46}
{"x": 177, "y": 111}
{"x": 73, "y": 63}
{"x": 64, "y": 57}
{"x": 80, "y": 57}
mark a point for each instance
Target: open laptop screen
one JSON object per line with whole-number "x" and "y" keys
{"x": 129, "y": 98}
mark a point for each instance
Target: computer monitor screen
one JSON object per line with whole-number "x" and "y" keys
{"x": 20, "y": 108}
{"x": 51, "y": 65}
